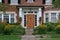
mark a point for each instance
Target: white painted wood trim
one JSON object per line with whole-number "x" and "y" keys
{"x": 49, "y": 12}
{"x": 20, "y": 12}
{"x": 9, "y": 16}
{"x": 2, "y": 18}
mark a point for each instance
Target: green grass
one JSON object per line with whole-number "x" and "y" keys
{"x": 9, "y": 37}
{"x": 53, "y": 35}
{"x": 51, "y": 39}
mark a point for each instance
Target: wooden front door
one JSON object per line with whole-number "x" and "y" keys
{"x": 30, "y": 20}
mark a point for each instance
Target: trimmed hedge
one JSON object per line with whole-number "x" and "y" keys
{"x": 8, "y": 29}
{"x": 50, "y": 26}
{"x": 41, "y": 29}
{"x": 57, "y": 29}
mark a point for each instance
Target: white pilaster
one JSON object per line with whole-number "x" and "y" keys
{"x": 39, "y": 14}
{"x": 20, "y": 12}
{"x": 9, "y": 18}
{"x": 2, "y": 18}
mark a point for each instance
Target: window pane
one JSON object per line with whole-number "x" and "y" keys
{"x": 30, "y": 12}
{"x": 35, "y": 20}
{"x": 53, "y": 17}
{"x": 14, "y": 2}
{"x": 0, "y": 0}
{"x": 48, "y": 1}
{"x": 46, "y": 17}
{"x": 12, "y": 15}
{"x": 29, "y": 0}
{"x": 6, "y": 18}
{"x": 24, "y": 20}
{"x": 59, "y": 16}
{"x": 12, "y": 20}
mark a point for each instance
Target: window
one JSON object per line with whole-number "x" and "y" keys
{"x": 43, "y": 1}
{"x": 24, "y": 20}
{"x": 46, "y": 17}
{"x": 9, "y": 18}
{"x": 30, "y": 0}
{"x": 14, "y": 2}
{"x": 48, "y": 2}
{"x": 35, "y": 20}
{"x": 1, "y": 1}
{"x": 53, "y": 17}
{"x": 6, "y": 18}
{"x": 30, "y": 11}
{"x": 59, "y": 16}
{"x": 12, "y": 18}
{"x": 35, "y": 12}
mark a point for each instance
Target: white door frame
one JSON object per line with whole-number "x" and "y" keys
{"x": 39, "y": 14}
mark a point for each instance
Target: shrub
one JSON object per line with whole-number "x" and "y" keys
{"x": 14, "y": 23}
{"x": 8, "y": 29}
{"x": 13, "y": 28}
{"x": 41, "y": 29}
{"x": 57, "y": 29}
{"x": 2, "y": 26}
{"x": 18, "y": 30}
{"x": 50, "y": 26}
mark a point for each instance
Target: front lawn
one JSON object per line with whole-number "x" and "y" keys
{"x": 51, "y": 39}
{"x": 52, "y": 35}
{"x": 9, "y": 37}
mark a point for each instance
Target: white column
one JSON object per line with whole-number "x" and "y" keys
{"x": 49, "y": 16}
{"x": 9, "y": 18}
{"x": 2, "y": 17}
{"x": 20, "y": 12}
{"x": 39, "y": 14}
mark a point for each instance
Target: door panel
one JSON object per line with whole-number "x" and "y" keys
{"x": 30, "y": 20}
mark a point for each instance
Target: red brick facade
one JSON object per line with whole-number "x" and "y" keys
{"x": 24, "y": 3}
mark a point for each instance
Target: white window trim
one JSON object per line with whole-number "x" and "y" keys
{"x": 49, "y": 12}
{"x": 15, "y": 20}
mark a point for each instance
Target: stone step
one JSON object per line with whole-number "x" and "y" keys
{"x": 29, "y": 31}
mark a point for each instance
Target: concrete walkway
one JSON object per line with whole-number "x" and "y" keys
{"x": 29, "y": 36}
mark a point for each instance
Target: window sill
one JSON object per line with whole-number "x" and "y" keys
{"x": 30, "y": 2}
{"x": 14, "y": 4}
{"x": 48, "y": 4}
